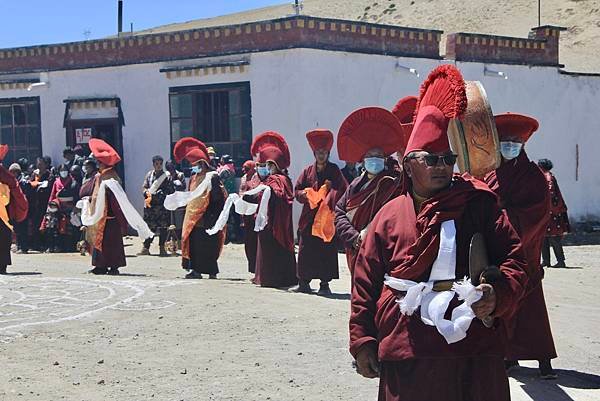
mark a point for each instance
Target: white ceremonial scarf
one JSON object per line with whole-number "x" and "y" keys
{"x": 181, "y": 198}
{"x": 435, "y": 304}
{"x": 159, "y": 181}
{"x": 133, "y": 217}
{"x": 246, "y": 209}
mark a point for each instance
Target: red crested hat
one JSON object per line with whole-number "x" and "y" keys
{"x": 512, "y": 125}
{"x": 442, "y": 98}
{"x": 369, "y": 128}
{"x": 320, "y": 139}
{"x": 271, "y": 146}
{"x": 103, "y": 152}
{"x": 3, "y": 151}
{"x": 191, "y": 149}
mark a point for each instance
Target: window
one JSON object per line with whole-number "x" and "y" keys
{"x": 20, "y": 128}
{"x": 218, "y": 115}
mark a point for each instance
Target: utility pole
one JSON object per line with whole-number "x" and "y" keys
{"x": 120, "y": 17}
{"x": 539, "y": 12}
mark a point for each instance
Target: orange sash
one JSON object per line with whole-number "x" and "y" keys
{"x": 193, "y": 213}
{"x": 323, "y": 225}
{"x": 95, "y": 234}
{"x": 4, "y": 201}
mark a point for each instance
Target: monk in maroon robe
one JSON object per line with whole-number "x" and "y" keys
{"x": 106, "y": 236}
{"x": 275, "y": 259}
{"x": 523, "y": 193}
{"x": 368, "y": 135}
{"x": 421, "y": 240}
{"x": 318, "y": 188}
{"x": 13, "y": 209}
{"x": 250, "y": 180}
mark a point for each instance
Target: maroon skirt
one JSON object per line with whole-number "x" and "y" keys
{"x": 275, "y": 265}
{"x": 113, "y": 252}
{"x": 5, "y": 243}
{"x": 317, "y": 259}
{"x": 453, "y": 379}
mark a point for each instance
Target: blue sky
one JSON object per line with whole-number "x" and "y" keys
{"x": 31, "y": 22}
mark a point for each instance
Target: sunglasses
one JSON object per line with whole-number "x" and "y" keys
{"x": 433, "y": 160}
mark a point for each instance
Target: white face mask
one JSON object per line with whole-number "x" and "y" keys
{"x": 510, "y": 150}
{"x": 64, "y": 174}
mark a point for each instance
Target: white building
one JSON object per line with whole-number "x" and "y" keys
{"x": 226, "y": 84}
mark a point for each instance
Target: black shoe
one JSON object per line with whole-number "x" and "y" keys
{"x": 212, "y": 276}
{"x": 3, "y": 270}
{"x": 193, "y": 275}
{"x": 303, "y": 287}
{"x": 546, "y": 264}
{"x": 511, "y": 365}
{"x": 114, "y": 271}
{"x": 324, "y": 290}
{"x": 560, "y": 265}
{"x": 163, "y": 253}
{"x": 98, "y": 270}
{"x": 546, "y": 371}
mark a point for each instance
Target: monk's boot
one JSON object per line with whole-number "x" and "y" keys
{"x": 98, "y": 270}
{"x": 114, "y": 271}
{"x": 560, "y": 265}
{"x": 212, "y": 276}
{"x": 193, "y": 274}
{"x": 511, "y": 365}
{"x": 303, "y": 287}
{"x": 546, "y": 371}
{"x": 3, "y": 269}
{"x": 324, "y": 289}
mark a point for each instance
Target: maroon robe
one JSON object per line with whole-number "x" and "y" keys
{"x": 110, "y": 253}
{"x": 275, "y": 259}
{"x": 404, "y": 245}
{"x": 523, "y": 193}
{"x": 17, "y": 211}
{"x": 317, "y": 259}
{"x": 250, "y": 236}
{"x": 367, "y": 200}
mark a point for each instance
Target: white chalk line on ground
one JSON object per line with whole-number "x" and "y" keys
{"x": 26, "y": 302}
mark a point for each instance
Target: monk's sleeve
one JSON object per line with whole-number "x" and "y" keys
{"x": 217, "y": 195}
{"x": 18, "y": 206}
{"x": 338, "y": 187}
{"x": 504, "y": 247}
{"x": 343, "y": 226}
{"x": 369, "y": 274}
{"x": 301, "y": 185}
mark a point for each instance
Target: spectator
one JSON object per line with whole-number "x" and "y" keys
{"x": 559, "y": 220}
{"x": 65, "y": 193}
{"x": 21, "y": 228}
{"x": 157, "y": 185}
{"x": 214, "y": 161}
{"x": 41, "y": 183}
{"x": 69, "y": 156}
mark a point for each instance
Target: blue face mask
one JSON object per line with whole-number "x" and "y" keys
{"x": 263, "y": 171}
{"x": 196, "y": 169}
{"x": 510, "y": 150}
{"x": 374, "y": 165}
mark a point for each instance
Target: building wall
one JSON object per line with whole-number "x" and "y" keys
{"x": 299, "y": 89}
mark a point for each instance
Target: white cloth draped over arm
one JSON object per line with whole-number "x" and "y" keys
{"x": 180, "y": 198}
{"x": 246, "y": 209}
{"x": 133, "y": 217}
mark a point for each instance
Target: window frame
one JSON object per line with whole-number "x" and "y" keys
{"x": 195, "y": 91}
{"x": 28, "y": 101}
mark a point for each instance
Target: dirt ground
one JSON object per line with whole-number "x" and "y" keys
{"x": 149, "y": 335}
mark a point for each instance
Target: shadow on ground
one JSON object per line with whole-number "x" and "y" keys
{"x": 551, "y": 390}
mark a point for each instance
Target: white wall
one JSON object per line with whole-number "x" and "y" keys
{"x": 296, "y": 90}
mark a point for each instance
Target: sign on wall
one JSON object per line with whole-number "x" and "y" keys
{"x": 83, "y": 135}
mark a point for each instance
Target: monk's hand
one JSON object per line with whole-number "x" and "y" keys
{"x": 367, "y": 364}
{"x": 328, "y": 184}
{"x": 487, "y": 304}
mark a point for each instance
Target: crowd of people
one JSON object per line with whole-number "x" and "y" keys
{"x": 406, "y": 221}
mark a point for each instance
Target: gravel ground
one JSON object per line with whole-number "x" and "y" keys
{"x": 149, "y": 335}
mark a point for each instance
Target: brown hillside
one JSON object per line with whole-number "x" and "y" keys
{"x": 580, "y": 44}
